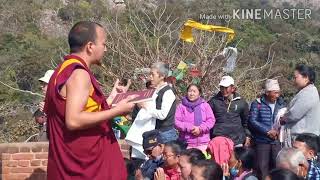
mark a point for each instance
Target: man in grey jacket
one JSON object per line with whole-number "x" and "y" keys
{"x": 304, "y": 109}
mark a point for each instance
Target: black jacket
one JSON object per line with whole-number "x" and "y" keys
{"x": 231, "y": 118}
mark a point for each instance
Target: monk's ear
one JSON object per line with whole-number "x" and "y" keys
{"x": 89, "y": 47}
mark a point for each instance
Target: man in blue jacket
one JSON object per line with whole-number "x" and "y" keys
{"x": 261, "y": 119}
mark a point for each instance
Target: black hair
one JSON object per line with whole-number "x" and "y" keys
{"x": 38, "y": 113}
{"x": 193, "y": 154}
{"x": 246, "y": 156}
{"x": 148, "y": 84}
{"x": 198, "y": 87}
{"x": 311, "y": 141}
{"x": 212, "y": 170}
{"x": 82, "y": 33}
{"x": 306, "y": 71}
{"x": 283, "y": 174}
{"x": 177, "y": 146}
{"x": 132, "y": 166}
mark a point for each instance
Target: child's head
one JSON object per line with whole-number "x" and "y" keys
{"x": 206, "y": 170}
{"x": 133, "y": 169}
{"x": 171, "y": 154}
{"x": 187, "y": 158}
{"x": 152, "y": 144}
{"x": 130, "y": 168}
{"x": 241, "y": 159}
{"x": 39, "y": 116}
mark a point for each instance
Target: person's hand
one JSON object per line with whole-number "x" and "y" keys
{"x": 125, "y": 106}
{"x": 117, "y": 88}
{"x": 41, "y": 106}
{"x": 120, "y": 88}
{"x": 247, "y": 143}
{"x": 272, "y": 134}
{"x": 225, "y": 169}
{"x": 283, "y": 120}
{"x": 159, "y": 174}
{"x": 195, "y": 131}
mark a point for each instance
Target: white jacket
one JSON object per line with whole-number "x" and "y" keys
{"x": 141, "y": 124}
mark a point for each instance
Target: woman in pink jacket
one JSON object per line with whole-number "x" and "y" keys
{"x": 194, "y": 119}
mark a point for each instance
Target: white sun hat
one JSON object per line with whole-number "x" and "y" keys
{"x": 47, "y": 76}
{"x": 226, "y": 81}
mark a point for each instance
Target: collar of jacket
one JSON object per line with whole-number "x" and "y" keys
{"x": 279, "y": 101}
{"x": 236, "y": 96}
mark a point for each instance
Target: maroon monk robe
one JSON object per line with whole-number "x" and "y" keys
{"x": 90, "y": 154}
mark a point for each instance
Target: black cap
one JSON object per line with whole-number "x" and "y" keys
{"x": 151, "y": 139}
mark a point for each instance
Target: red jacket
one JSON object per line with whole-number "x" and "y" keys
{"x": 172, "y": 174}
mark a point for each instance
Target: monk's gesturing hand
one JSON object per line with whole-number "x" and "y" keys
{"x": 125, "y": 106}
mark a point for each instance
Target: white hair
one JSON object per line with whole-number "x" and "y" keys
{"x": 162, "y": 68}
{"x": 291, "y": 158}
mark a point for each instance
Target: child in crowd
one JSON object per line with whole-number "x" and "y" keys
{"x": 220, "y": 149}
{"x": 186, "y": 159}
{"x": 241, "y": 164}
{"x": 133, "y": 169}
{"x": 206, "y": 170}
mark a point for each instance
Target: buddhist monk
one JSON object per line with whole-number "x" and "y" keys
{"x": 82, "y": 145}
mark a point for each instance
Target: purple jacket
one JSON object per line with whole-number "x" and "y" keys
{"x": 184, "y": 121}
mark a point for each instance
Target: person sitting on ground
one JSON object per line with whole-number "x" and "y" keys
{"x": 186, "y": 159}
{"x": 308, "y": 144}
{"x": 294, "y": 160}
{"x": 220, "y": 149}
{"x": 194, "y": 119}
{"x": 153, "y": 147}
{"x": 241, "y": 164}
{"x": 170, "y": 169}
{"x": 283, "y": 174}
{"x": 206, "y": 170}
{"x": 133, "y": 169}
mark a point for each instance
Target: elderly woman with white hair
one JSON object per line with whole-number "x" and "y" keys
{"x": 165, "y": 102}
{"x": 293, "y": 160}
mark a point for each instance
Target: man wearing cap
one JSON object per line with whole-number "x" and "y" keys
{"x": 231, "y": 112}
{"x": 261, "y": 119}
{"x": 153, "y": 148}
